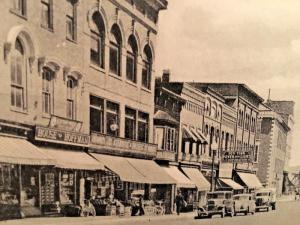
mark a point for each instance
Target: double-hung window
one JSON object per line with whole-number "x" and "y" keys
{"x": 20, "y": 7}
{"x": 71, "y": 20}
{"x": 131, "y": 60}
{"x": 47, "y": 91}
{"x": 130, "y": 123}
{"x": 147, "y": 68}
{"x": 143, "y": 127}
{"x": 96, "y": 114}
{"x": 18, "y": 77}
{"x": 112, "y": 118}
{"x": 71, "y": 98}
{"x": 47, "y": 13}
{"x": 115, "y": 51}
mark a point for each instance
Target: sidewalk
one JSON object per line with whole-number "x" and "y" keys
{"x": 99, "y": 220}
{"x": 286, "y": 198}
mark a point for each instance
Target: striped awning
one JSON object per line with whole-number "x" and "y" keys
{"x": 187, "y": 134}
{"x": 20, "y": 151}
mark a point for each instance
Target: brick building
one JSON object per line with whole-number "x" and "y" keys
{"x": 77, "y": 77}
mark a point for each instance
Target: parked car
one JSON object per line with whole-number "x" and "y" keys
{"x": 244, "y": 203}
{"x": 265, "y": 199}
{"x": 218, "y": 203}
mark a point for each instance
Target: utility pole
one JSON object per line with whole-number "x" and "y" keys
{"x": 212, "y": 171}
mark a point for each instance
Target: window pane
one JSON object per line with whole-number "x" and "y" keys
{"x": 96, "y": 120}
{"x": 19, "y": 97}
{"x": 70, "y": 28}
{"x": 45, "y": 14}
{"x": 13, "y": 96}
{"x": 112, "y": 124}
{"x": 130, "y": 123}
{"x": 130, "y": 68}
{"x": 70, "y": 109}
{"x": 146, "y": 76}
{"x": 19, "y": 70}
{"x": 95, "y": 48}
{"x": 46, "y": 103}
{"x": 13, "y": 69}
{"x": 114, "y": 60}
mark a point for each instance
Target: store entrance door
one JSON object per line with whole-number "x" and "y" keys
{"x": 88, "y": 189}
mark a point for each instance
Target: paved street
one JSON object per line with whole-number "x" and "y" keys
{"x": 286, "y": 214}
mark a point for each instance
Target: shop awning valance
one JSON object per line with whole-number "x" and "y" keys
{"x": 230, "y": 183}
{"x": 135, "y": 170}
{"x": 21, "y": 151}
{"x": 121, "y": 167}
{"x": 187, "y": 134}
{"x": 181, "y": 180}
{"x": 250, "y": 180}
{"x": 73, "y": 159}
{"x": 197, "y": 177}
{"x": 153, "y": 172}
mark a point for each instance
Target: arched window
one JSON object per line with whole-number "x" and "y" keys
{"x": 147, "y": 67}
{"x": 97, "y": 41}
{"x": 71, "y": 97}
{"x": 18, "y": 76}
{"x": 47, "y": 91}
{"x": 214, "y": 110}
{"x": 115, "y": 50}
{"x": 131, "y": 59}
{"x": 208, "y": 107}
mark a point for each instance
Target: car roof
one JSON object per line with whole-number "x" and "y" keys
{"x": 242, "y": 195}
{"x": 217, "y": 192}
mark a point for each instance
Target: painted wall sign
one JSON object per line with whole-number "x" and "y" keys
{"x": 237, "y": 156}
{"x": 59, "y": 136}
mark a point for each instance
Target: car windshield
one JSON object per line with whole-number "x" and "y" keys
{"x": 215, "y": 195}
{"x": 262, "y": 194}
{"x": 241, "y": 197}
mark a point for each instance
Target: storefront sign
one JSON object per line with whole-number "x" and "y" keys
{"x": 59, "y": 136}
{"x": 236, "y": 156}
{"x": 65, "y": 124}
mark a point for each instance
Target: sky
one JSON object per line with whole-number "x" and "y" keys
{"x": 256, "y": 42}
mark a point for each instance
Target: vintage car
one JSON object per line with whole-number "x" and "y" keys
{"x": 244, "y": 203}
{"x": 265, "y": 198}
{"x": 218, "y": 203}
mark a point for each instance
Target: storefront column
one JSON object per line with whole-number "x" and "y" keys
{"x": 40, "y": 188}
{"x": 126, "y": 191}
{"x": 173, "y": 190}
{"x": 59, "y": 186}
{"x": 20, "y": 184}
{"x": 75, "y": 187}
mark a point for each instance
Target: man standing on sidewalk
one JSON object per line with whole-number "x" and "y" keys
{"x": 179, "y": 201}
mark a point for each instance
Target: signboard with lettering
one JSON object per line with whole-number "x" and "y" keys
{"x": 59, "y": 136}
{"x": 237, "y": 157}
{"x": 65, "y": 124}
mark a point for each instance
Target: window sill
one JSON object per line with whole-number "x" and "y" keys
{"x": 131, "y": 83}
{"x": 18, "y": 110}
{"x": 146, "y": 89}
{"x": 47, "y": 28}
{"x": 97, "y": 68}
{"x": 115, "y": 76}
{"x": 17, "y": 13}
{"x": 71, "y": 40}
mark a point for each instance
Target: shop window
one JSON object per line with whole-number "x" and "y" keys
{"x": 47, "y": 91}
{"x": 96, "y": 114}
{"x": 20, "y": 7}
{"x": 47, "y": 14}
{"x": 131, "y": 59}
{"x": 18, "y": 76}
{"x": 97, "y": 41}
{"x": 143, "y": 127}
{"x": 71, "y": 20}
{"x": 130, "y": 123}
{"x": 112, "y": 118}
{"x": 71, "y": 97}
{"x": 147, "y": 68}
{"x": 115, "y": 47}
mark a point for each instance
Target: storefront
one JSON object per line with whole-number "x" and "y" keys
{"x": 203, "y": 186}
{"x": 187, "y": 187}
{"x": 140, "y": 178}
{"x": 21, "y": 166}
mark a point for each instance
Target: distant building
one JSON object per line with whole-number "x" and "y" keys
{"x": 272, "y": 147}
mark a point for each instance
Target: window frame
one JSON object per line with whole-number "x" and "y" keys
{"x": 71, "y": 98}
{"x": 72, "y": 16}
{"x": 48, "y": 91}
{"x": 143, "y": 119}
{"x": 101, "y": 113}
{"x": 20, "y": 8}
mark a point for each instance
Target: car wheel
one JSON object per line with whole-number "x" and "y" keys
{"x": 268, "y": 209}
{"x": 273, "y": 207}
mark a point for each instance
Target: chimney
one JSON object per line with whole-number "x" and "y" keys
{"x": 166, "y": 76}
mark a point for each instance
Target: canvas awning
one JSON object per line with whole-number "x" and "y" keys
{"x": 135, "y": 170}
{"x": 21, "y": 151}
{"x": 250, "y": 180}
{"x": 187, "y": 134}
{"x": 197, "y": 177}
{"x": 181, "y": 180}
{"x": 73, "y": 159}
{"x": 230, "y": 183}
{"x": 199, "y": 136}
{"x": 161, "y": 115}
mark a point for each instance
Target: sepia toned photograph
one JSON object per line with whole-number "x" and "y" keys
{"x": 149, "y": 112}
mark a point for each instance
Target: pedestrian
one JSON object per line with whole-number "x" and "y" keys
{"x": 179, "y": 202}
{"x": 141, "y": 206}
